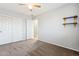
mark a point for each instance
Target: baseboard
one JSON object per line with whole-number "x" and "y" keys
{"x": 61, "y": 46}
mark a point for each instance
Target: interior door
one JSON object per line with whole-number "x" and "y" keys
{"x": 5, "y": 30}
{"x": 36, "y": 28}
{"x": 12, "y": 29}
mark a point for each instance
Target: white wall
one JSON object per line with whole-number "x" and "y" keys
{"x": 51, "y": 30}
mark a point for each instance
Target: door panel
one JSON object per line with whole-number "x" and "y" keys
{"x": 12, "y": 29}
{"x": 5, "y": 31}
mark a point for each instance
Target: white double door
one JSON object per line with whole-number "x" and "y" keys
{"x": 11, "y": 30}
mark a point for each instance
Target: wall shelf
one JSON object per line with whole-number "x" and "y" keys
{"x": 71, "y": 18}
{"x": 69, "y": 23}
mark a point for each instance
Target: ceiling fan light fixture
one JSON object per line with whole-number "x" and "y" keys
{"x": 30, "y": 6}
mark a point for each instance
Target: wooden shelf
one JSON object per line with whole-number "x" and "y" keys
{"x": 70, "y": 17}
{"x": 69, "y": 23}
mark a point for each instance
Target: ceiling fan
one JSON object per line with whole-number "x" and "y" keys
{"x": 32, "y": 5}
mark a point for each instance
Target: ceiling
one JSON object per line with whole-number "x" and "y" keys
{"x": 15, "y": 7}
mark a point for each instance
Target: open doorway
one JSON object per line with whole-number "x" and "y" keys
{"x": 35, "y": 29}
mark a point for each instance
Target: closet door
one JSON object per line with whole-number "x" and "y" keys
{"x": 12, "y": 29}
{"x": 5, "y": 30}
{"x": 18, "y": 29}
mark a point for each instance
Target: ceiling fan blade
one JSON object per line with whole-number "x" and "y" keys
{"x": 21, "y": 4}
{"x": 37, "y": 6}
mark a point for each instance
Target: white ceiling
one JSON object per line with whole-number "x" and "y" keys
{"x": 24, "y": 8}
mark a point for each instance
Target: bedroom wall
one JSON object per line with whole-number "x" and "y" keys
{"x": 51, "y": 30}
